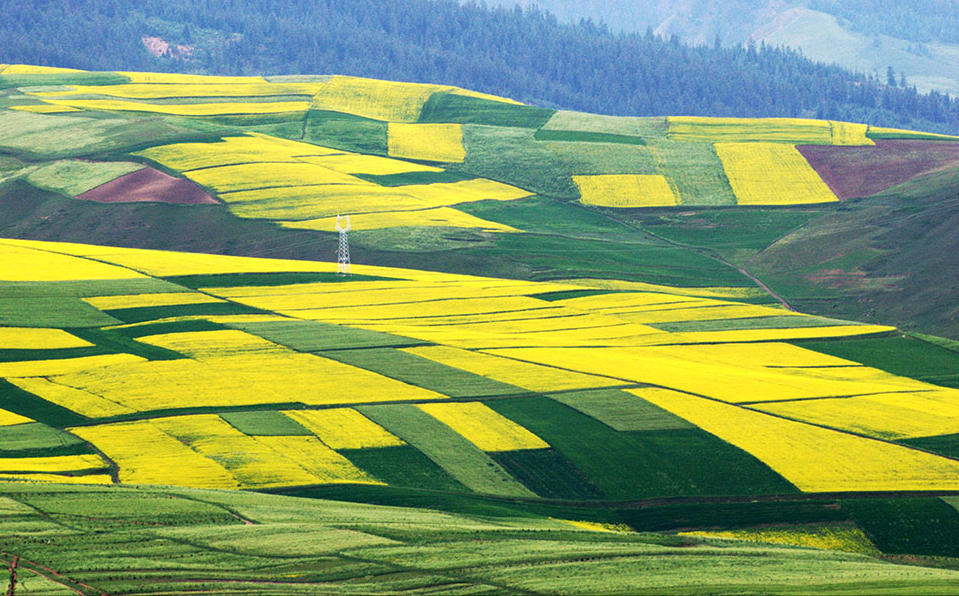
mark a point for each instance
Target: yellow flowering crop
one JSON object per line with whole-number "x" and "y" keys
{"x": 357, "y": 163}
{"x": 58, "y": 478}
{"x": 20, "y": 69}
{"x": 813, "y": 458}
{"x": 144, "y": 300}
{"x": 10, "y": 418}
{"x": 262, "y": 175}
{"x": 626, "y": 190}
{"x": 433, "y": 308}
{"x": 27, "y": 338}
{"x": 205, "y": 345}
{"x": 185, "y": 109}
{"x": 370, "y": 98}
{"x": 252, "y": 147}
{"x": 710, "y": 313}
{"x": 771, "y": 174}
{"x": 733, "y": 293}
{"x": 26, "y": 264}
{"x": 824, "y": 537}
{"x": 748, "y": 335}
{"x": 430, "y": 142}
{"x": 45, "y": 108}
{"x": 440, "y": 217}
{"x": 147, "y": 455}
{"x": 253, "y": 463}
{"x": 81, "y": 402}
{"x": 484, "y": 427}
{"x": 324, "y": 464}
{"x": 174, "y": 90}
{"x": 187, "y": 79}
{"x": 51, "y": 465}
{"x": 848, "y": 133}
{"x": 344, "y": 428}
{"x": 740, "y": 130}
{"x": 522, "y": 374}
{"x": 465, "y": 191}
{"x": 909, "y": 133}
{"x": 62, "y": 366}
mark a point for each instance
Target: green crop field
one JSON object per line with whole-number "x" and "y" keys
{"x": 512, "y": 391}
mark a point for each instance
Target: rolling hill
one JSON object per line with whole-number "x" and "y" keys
{"x": 569, "y": 345}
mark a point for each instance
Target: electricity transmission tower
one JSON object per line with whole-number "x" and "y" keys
{"x": 343, "y": 252}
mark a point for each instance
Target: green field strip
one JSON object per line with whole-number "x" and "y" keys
{"x": 189, "y": 411}
{"x": 696, "y": 172}
{"x": 151, "y": 313}
{"x": 345, "y": 131}
{"x": 945, "y": 445}
{"x": 548, "y": 474}
{"x": 942, "y": 342}
{"x": 908, "y": 526}
{"x": 567, "y": 294}
{"x": 411, "y": 178}
{"x": 635, "y": 465}
{"x": 771, "y": 322}
{"x": 265, "y": 423}
{"x": 621, "y": 411}
{"x": 114, "y": 342}
{"x": 129, "y": 506}
{"x": 50, "y": 311}
{"x": 403, "y": 466}
{"x": 578, "y": 136}
{"x": 897, "y": 354}
{"x": 53, "y": 354}
{"x": 233, "y": 280}
{"x": 18, "y": 401}
{"x": 314, "y": 336}
{"x": 34, "y": 439}
{"x": 425, "y": 373}
{"x": 463, "y": 109}
{"x": 144, "y": 329}
{"x": 450, "y": 451}
{"x": 731, "y": 515}
{"x": 68, "y": 78}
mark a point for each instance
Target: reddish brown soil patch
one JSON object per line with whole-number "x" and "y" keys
{"x": 149, "y": 186}
{"x": 862, "y": 171}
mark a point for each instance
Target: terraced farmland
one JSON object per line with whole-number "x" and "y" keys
{"x": 549, "y": 361}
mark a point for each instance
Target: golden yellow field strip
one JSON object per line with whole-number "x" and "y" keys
{"x": 522, "y": 374}
{"x": 732, "y": 379}
{"x": 174, "y": 90}
{"x": 144, "y": 300}
{"x": 775, "y": 130}
{"x": 344, "y": 428}
{"x": 191, "y": 109}
{"x": 771, "y": 174}
{"x": 45, "y": 109}
{"x": 249, "y": 148}
{"x": 187, "y": 79}
{"x": 147, "y": 455}
{"x": 20, "y": 69}
{"x": 324, "y": 464}
{"x": 844, "y": 538}
{"x": 465, "y": 191}
{"x": 46, "y": 368}
{"x": 477, "y": 94}
{"x": 750, "y": 335}
{"x": 708, "y": 313}
{"x": 81, "y": 402}
{"x": 371, "y": 98}
{"x": 25, "y": 264}
{"x": 886, "y": 416}
{"x": 357, "y": 163}
{"x": 625, "y": 191}
{"x": 426, "y": 309}
{"x": 732, "y": 293}
{"x": 850, "y": 134}
{"x": 10, "y": 418}
{"x": 632, "y": 300}
{"x": 429, "y": 142}
{"x": 440, "y": 217}
{"x": 58, "y": 478}
{"x": 28, "y": 338}
{"x": 768, "y": 354}
{"x": 812, "y": 458}
{"x": 909, "y": 133}
{"x": 51, "y": 465}
{"x": 484, "y": 427}
{"x": 268, "y": 174}
{"x": 252, "y": 463}
{"x": 245, "y": 379}
{"x": 205, "y": 345}
{"x": 312, "y": 202}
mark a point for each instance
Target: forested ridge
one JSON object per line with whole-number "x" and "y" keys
{"x": 524, "y": 54}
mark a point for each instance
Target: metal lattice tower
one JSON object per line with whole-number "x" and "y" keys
{"x": 343, "y": 252}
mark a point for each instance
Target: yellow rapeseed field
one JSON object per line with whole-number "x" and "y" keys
{"x": 263, "y": 175}
{"x": 324, "y": 464}
{"x": 45, "y": 109}
{"x": 732, "y": 293}
{"x": 51, "y": 465}
{"x": 26, "y": 264}
{"x": 81, "y": 402}
{"x": 771, "y": 174}
{"x": 708, "y": 313}
{"x": 206, "y": 345}
{"x": 145, "y": 300}
{"x": 844, "y": 538}
{"x": 484, "y": 427}
{"x": 250, "y": 148}
{"x": 62, "y": 366}
{"x": 440, "y": 217}
{"x": 813, "y": 458}
{"x": 147, "y": 455}
{"x": 10, "y": 418}
{"x": 430, "y": 142}
{"x": 357, "y": 163}
{"x": 740, "y": 130}
{"x": 58, "y": 478}
{"x": 28, "y": 338}
{"x": 187, "y": 109}
{"x": 370, "y": 98}
{"x": 521, "y": 374}
{"x": 20, "y": 69}
{"x": 344, "y": 428}
{"x": 626, "y": 190}
{"x": 749, "y": 335}
{"x": 172, "y": 78}
{"x": 848, "y": 133}
{"x": 466, "y": 191}
{"x": 187, "y": 89}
